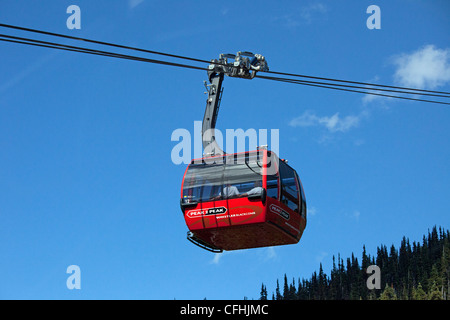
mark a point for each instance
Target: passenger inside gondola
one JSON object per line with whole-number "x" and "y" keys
{"x": 229, "y": 191}
{"x": 256, "y": 190}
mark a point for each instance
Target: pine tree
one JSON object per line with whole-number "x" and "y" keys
{"x": 433, "y": 245}
{"x": 435, "y": 278}
{"x": 334, "y": 282}
{"x": 434, "y": 292}
{"x": 277, "y": 292}
{"x": 445, "y": 268}
{"x": 392, "y": 268}
{"x": 424, "y": 263}
{"x": 302, "y": 292}
{"x": 382, "y": 262}
{"x": 322, "y": 284}
{"x": 419, "y": 294}
{"x": 388, "y": 293}
{"x": 263, "y": 295}
{"x": 292, "y": 291}
{"x": 404, "y": 268}
{"x": 314, "y": 287}
{"x": 285, "y": 289}
{"x": 372, "y": 295}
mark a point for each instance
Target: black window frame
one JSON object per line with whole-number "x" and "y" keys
{"x": 287, "y": 197}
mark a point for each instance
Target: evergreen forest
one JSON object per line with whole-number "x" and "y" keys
{"x": 417, "y": 271}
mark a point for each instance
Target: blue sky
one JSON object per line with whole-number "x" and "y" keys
{"x": 86, "y": 176}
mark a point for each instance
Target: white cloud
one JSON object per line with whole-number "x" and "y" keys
{"x": 359, "y": 142}
{"x": 216, "y": 258}
{"x": 309, "y": 12}
{"x": 428, "y": 67}
{"x": 305, "y": 15}
{"x": 311, "y": 211}
{"x": 334, "y": 123}
{"x": 321, "y": 256}
{"x": 354, "y": 215}
{"x": 270, "y": 253}
{"x": 265, "y": 254}
{"x": 134, "y": 3}
{"x": 368, "y": 98}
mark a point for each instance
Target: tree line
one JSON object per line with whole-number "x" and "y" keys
{"x": 417, "y": 271}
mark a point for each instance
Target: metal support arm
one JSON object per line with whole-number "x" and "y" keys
{"x": 245, "y": 65}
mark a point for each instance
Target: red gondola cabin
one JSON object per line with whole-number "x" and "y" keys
{"x": 243, "y": 200}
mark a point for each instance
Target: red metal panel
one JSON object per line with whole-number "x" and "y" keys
{"x": 240, "y": 223}
{"x": 284, "y": 218}
{"x": 224, "y": 213}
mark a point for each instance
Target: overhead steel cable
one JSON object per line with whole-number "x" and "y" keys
{"x": 352, "y": 86}
{"x": 416, "y": 90}
{"x": 367, "y": 84}
{"x": 330, "y": 86}
{"x": 101, "y": 43}
{"x": 52, "y": 45}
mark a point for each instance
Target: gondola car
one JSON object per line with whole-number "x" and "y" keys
{"x": 244, "y": 200}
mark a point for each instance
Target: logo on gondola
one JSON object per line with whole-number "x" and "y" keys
{"x": 279, "y": 211}
{"x": 210, "y": 211}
